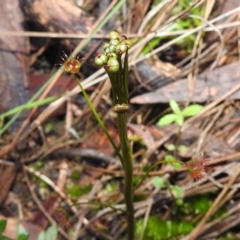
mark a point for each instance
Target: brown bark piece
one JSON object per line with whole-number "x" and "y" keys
{"x": 7, "y": 176}
{"x": 209, "y": 86}
{"x": 13, "y": 57}
{"x": 59, "y": 16}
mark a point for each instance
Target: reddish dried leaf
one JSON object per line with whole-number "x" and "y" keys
{"x": 98, "y": 140}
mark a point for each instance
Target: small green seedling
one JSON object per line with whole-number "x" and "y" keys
{"x": 172, "y": 161}
{"x": 172, "y": 147}
{"x": 176, "y": 191}
{"x": 178, "y": 115}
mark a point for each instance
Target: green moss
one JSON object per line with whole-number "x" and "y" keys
{"x": 157, "y": 229}
{"x": 76, "y": 174}
{"x": 110, "y": 187}
{"x": 74, "y": 190}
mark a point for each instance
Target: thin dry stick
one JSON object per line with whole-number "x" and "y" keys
{"x": 207, "y": 129}
{"x": 192, "y": 31}
{"x": 197, "y": 49}
{"x": 196, "y": 231}
{"x": 103, "y": 36}
{"x": 40, "y": 206}
{"x": 221, "y": 46}
{"x": 210, "y": 106}
{"x": 228, "y": 197}
{"x": 53, "y": 185}
{"x": 238, "y": 30}
{"x": 151, "y": 14}
{"x": 147, "y": 213}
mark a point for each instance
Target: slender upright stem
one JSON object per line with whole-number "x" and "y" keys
{"x": 128, "y": 173}
{"x": 100, "y": 122}
{"x": 118, "y": 73}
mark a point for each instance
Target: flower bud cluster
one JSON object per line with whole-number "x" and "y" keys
{"x": 116, "y": 47}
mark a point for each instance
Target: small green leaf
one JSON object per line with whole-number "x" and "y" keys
{"x": 170, "y": 147}
{"x": 23, "y": 237}
{"x": 192, "y": 110}
{"x": 177, "y": 191}
{"x": 3, "y": 224}
{"x": 150, "y": 46}
{"x": 51, "y": 233}
{"x": 21, "y": 230}
{"x": 158, "y": 182}
{"x": 171, "y": 160}
{"x": 174, "y": 106}
{"x": 179, "y": 202}
{"x": 167, "y": 119}
{"x": 179, "y": 119}
{"x": 182, "y": 147}
{"x": 41, "y": 236}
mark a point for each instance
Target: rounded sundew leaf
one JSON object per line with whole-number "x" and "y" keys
{"x": 159, "y": 182}
{"x": 169, "y": 158}
{"x": 174, "y": 106}
{"x": 170, "y": 147}
{"x": 177, "y": 191}
{"x": 167, "y": 119}
{"x": 182, "y": 147}
{"x": 172, "y": 161}
{"x": 191, "y": 110}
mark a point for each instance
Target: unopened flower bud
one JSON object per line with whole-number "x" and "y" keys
{"x": 112, "y": 49}
{"x": 107, "y": 50}
{"x": 101, "y": 59}
{"x": 113, "y": 35}
{"x": 112, "y": 55}
{"x": 114, "y": 42}
{"x": 112, "y": 65}
{"x": 105, "y": 45}
{"x": 121, "y": 48}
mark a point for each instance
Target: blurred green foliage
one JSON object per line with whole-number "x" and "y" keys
{"x": 182, "y": 23}
{"x": 74, "y": 190}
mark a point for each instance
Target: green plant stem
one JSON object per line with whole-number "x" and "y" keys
{"x": 179, "y": 134}
{"x": 128, "y": 173}
{"x": 100, "y": 122}
{"x": 151, "y": 168}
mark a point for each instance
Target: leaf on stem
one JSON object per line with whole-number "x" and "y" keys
{"x": 174, "y": 106}
{"x": 167, "y": 119}
{"x": 192, "y": 110}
